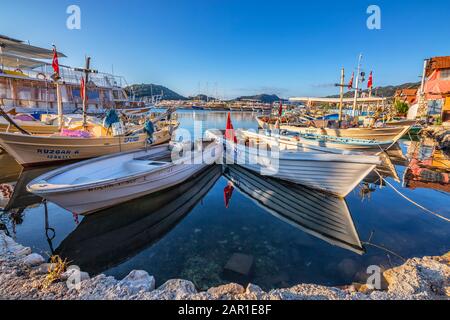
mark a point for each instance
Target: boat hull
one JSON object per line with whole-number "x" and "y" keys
{"x": 392, "y": 134}
{"x": 97, "y": 195}
{"x": 334, "y": 173}
{"x": 33, "y": 127}
{"x": 29, "y": 150}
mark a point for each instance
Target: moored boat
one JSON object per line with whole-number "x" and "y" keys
{"x": 334, "y": 171}
{"x": 100, "y": 183}
{"x": 392, "y": 134}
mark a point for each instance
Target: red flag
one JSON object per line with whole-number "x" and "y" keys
{"x": 370, "y": 82}
{"x": 227, "y": 193}
{"x": 229, "y": 131}
{"x": 82, "y": 88}
{"x": 280, "y": 111}
{"x": 350, "y": 85}
{"x": 55, "y": 63}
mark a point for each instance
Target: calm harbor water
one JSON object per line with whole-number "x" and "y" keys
{"x": 190, "y": 232}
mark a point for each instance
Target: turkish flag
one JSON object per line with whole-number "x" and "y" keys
{"x": 280, "y": 110}
{"x": 227, "y": 193}
{"x": 350, "y": 85}
{"x": 55, "y": 63}
{"x": 229, "y": 131}
{"x": 82, "y": 88}
{"x": 370, "y": 82}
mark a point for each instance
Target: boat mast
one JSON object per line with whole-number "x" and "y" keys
{"x": 341, "y": 101}
{"x": 86, "y": 72}
{"x": 355, "y": 102}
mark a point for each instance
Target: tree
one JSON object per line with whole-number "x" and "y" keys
{"x": 401, "y": 107}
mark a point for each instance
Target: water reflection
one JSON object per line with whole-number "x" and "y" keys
{"x": 321, "y": 215}
{"x": 429, "y": 167}
{"x": 108, "y": 238}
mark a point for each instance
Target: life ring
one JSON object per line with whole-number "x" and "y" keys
{"x": 41, "y": 76}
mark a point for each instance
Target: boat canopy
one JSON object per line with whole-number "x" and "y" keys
{"x": 14, "y": 61}
{"x": 17, "y": 47}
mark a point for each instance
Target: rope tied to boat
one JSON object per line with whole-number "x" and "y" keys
{"x": 412, "y": 201}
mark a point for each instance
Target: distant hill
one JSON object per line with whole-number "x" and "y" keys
{"x": 146, "y": 90}
{"x": 386, "y": 92}
{"x": 265, "y": 98}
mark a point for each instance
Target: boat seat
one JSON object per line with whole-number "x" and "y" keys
{"x": 141, "y": 165}
{"x": 81, "y": 180}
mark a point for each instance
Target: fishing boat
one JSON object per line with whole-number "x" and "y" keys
{"x": 345, "y": 143}
{"x": 392, "y": 134}
{"x": 119, "y": 237}
{"x": 100, "y": 183}
{"x": 330, "y": 170}
{"x": 327, "y": 218}
{"x": 31, "y": 125}
{"x": 33, "y": 150}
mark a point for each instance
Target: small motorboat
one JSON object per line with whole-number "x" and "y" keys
{"x": 331, "y": 170}
{"x": 345, "y": 143}
{"x": 96, "y": 184}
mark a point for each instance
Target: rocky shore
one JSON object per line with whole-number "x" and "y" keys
{"x": 441, "y": 134}
{"x": 23, "y": 275}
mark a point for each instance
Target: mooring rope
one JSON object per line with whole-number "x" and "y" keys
{"x": 410, "y": 200}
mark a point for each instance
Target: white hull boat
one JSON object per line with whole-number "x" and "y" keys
{"x": 334, "y": 171}
{"x": 96, "y": 184}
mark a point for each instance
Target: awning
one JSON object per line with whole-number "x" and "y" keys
{"x": 17, "y": 47}
{"x": 17, "y": 62}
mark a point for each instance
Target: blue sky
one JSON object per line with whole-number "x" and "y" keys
{"x": 290, "y": 48}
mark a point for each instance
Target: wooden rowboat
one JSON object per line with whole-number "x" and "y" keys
{"x": 330, "y": 170}
{"x": 392, "y": 134}
{"x": 33, "y": 150}
{"x": 100, "y": 183}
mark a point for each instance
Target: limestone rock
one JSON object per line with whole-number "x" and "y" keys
{"x": 226, "y": 291}
{"x": 33, "y": 259}
{"x": 175, "y": 289}
{"x": 138, "y": 280}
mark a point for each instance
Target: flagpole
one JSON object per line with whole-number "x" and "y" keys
{"x": 60, "y": 107}
{"x": 341, "y": 100}
{"x": 355, "y": 101}
{"x": 86, "y": 79}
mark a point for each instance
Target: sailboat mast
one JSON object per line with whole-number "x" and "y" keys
{"x": 355, "y": 102}
{"x": 86, "y": 79}
{"x": 341, "y": 101}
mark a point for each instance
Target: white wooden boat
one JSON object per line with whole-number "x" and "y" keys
{"x": 118, "y": 236}
{"x": 334, "y": 171}
{"x": 342, "y": 142}
{"x": 100, "y": 183}
{"x": 32, "y": 150}
{"x": 392, "y": 134}
{"x": 327, "y": 218}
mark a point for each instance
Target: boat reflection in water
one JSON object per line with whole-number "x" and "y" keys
{"x": 429, "y": 168}
{"x": 110, "y": 237}
{"x": 318, "y": 214}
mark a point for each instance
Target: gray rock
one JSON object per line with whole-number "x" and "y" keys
{"x": 175, "y": 289}
{"x": 226, "y": 291}
{"x": 45, "y": 268}
{"x": 138, "y": 280}
{"x": 33, "y": 259}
